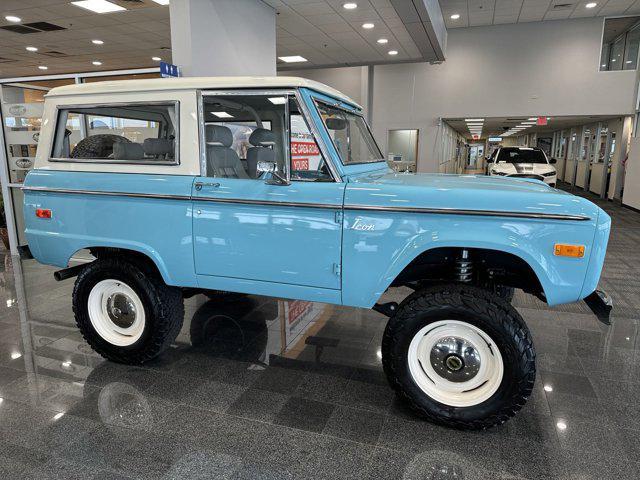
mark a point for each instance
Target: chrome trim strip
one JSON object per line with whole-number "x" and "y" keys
{"x": 107, "y": 193}
{"x": 240, "y": 201}
{"x": 457, "y": 211}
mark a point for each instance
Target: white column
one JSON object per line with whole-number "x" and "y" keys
{"x": 223, "y": 37}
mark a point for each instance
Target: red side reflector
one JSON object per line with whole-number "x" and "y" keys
{"x": 43, "y": 213}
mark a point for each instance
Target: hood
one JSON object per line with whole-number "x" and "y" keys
{"x": 522, "y": 168}
{"x": 465, "y": 192}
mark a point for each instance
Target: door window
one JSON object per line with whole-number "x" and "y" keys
{"x": 242, "y": 131}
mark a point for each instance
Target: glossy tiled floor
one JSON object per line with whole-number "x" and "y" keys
{"x": 261, "y": 388}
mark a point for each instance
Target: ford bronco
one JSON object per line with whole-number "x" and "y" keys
{"x": 276, "y": 186}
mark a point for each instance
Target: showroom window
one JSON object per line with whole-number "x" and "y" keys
{"x": 620, "y": 42}
{"x": 132, "y": 133}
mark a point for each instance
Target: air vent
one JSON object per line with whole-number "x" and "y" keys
{"x": 563, "y": 6}
{"x": 54, "y": 53}
{"x": 19, "y": 29}
{"x": 44, "y": 26}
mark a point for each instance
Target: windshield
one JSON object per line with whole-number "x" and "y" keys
{"x": 350, "y": 136}
{"x": 521, "y": 155}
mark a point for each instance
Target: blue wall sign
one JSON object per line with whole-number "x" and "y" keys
{"x": 169, "y": 70}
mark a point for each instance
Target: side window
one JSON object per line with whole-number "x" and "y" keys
{"x": 135, "y": 133}
{"x": 243, "y": 130}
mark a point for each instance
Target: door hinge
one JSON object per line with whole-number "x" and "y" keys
{"x": 339, "y": 217}
{"x": 337, "y": 269}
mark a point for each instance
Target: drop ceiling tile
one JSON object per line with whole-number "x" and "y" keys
{"x": 315, "y": 8}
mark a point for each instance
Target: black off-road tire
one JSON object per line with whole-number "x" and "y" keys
{"x": 163, "y": 306}
{"x": 486, "y": 311}
{"x": 504, "y": 292}
{"x": 97, "y": 146}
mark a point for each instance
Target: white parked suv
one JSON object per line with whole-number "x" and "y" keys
{"x": 522, "y": 162}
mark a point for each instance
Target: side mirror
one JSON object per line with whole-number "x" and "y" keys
{"x": 272, "y": 168}
{"x": 553, "y": 161}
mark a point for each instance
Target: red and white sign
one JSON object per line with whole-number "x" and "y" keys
{"x": 305, "y": 155}
{"x": 475, "y": 136}
{"x": 542, "y": 121}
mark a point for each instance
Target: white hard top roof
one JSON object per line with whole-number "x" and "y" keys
{"x": 196, "y": 83}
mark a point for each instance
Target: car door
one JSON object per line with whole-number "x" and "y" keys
{"x": 246, "y": 225}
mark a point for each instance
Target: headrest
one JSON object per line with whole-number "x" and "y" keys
{"x": 127, "y": 151}
{"x": 261, "y": 137}
{"x": 218, "y": 135}
{"x": 158, "y": 146}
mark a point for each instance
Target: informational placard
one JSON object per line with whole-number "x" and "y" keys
{"x": 169, "y": 70}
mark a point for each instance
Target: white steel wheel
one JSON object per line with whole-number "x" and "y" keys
{"x": 455, "y": 363}
{"x": 116, "y": 312}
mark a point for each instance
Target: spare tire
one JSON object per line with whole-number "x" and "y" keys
{"x": 97, "y": 146}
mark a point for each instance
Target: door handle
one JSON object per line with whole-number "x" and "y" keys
{"x": 199, "y": 185}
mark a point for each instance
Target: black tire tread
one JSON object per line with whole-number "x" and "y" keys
{"x": 166, "y": 325}
{"x": 481, "y": 302}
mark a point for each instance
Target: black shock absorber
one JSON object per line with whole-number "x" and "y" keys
{"x": 464, "y": 268}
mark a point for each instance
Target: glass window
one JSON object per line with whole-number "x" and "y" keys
{"x": 243, "y": 130}
{"x": 350, "y": 135}
{"x": 120, "y": 133}
{"x": 631, "y": 49}
{"x": 521, "y": 155}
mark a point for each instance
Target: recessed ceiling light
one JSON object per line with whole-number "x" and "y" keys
{"x": 350, "y": 6}
{"x": 42, "y": 67}
{"x": 455, "y": 16}
{"x": 393, "y": 52}
{"x": 278, "y": 100}
{"x": 58, "y": 416}
{"x": 156, "y": 59}
{"x": 382, "y": 41}
{"x": 97, "y": 42}
{"x": 474, "y": 119}
{"x": 12, "y": 18}
{"x": 32, "y": 49}
{"x": 162, "y": 2}
{"x": 591, "y": 5}
{"x": 99, "y": 6}
{"x": 96, "y": 63}
{"x": 222, "y": 114}
{"x": 561, "y": 425}
{"x": 533, "y": 118}
{"x": 293, "y": 59}
{"x": 368, "y": 26}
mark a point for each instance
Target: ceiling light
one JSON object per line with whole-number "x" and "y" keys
{"x": 162, "y": 2}
{"x": 533, "y": 118}
{"x": 58, "y": 416}
{"x": 156, "y": 59}
{"x": 15, "y": 355}
{"x": 96, "y": 63}
{"x": 12, "y": 18}
{"x": 591, "y": 5}
{"x": 32, "y": 49}
{"x": 368, "y": 26}
{"x": 455, "y": 16}
{"x": 393, "y": 52}
{"x": 97, "y": 42}
{"x": 66, "y": 364}
{"x": 528, "y": 123}
{"x": 474, "y": 119}
{"x": 42, "y": 67}
{"x": 350, "y": 6}
{"x": 382, "y": 41}
{"x": 548, "y": 388}
{"x": 561, "y": 425}
{"x": 278, "y": 100}
{"x": 222, "y": 114}
{"x": 293, "y": 59}
{"x": 99, "y": 6}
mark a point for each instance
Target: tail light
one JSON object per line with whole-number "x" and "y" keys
{"x": 43, "y": 213}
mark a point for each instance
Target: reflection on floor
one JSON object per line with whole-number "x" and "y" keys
{"x": 263, "y": 388}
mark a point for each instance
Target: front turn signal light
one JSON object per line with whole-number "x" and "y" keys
{"x": 43, "y": 213}
{"x": 564, "y": 250}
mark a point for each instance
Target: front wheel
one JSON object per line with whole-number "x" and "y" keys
{"x": 460, "y": 356}
{"x": 125, "y": 311}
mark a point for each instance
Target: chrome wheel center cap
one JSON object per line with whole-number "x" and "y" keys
{"x": 455, "y": 359}
{"x": 121, "y": 310}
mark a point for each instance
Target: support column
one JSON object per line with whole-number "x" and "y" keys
{"x": 223, "y": 37}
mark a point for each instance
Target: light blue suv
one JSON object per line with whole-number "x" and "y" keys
{"x": 275, "y": 186}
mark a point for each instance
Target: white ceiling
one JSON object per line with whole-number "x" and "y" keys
{"x": 494, "y": 12}
{"x": 320, "y": 30}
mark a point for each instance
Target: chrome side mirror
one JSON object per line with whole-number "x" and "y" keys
{"x": 272, "y": 168}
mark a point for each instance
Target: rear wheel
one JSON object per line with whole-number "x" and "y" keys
{"x": 460, "y": 356}
{"x": 125, "y": 311}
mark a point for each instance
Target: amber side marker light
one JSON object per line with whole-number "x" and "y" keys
{"x": 563, "y": 250}
{"x": 43, "y": 213}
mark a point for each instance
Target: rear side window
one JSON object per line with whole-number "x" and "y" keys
{"x": 135, "y": 133}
